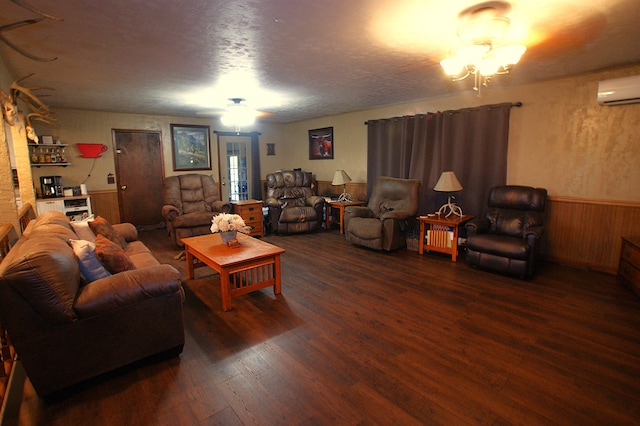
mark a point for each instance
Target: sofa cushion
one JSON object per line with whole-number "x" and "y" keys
{"x": 298, "y": 214}
{"x": 499, "y": 245}
{"x": 101, "y": 226}
{"x": 189, "y": 220}
{"x": 90, "y": 266}
{"x": 83, "y": 230}
{"x": 112, "y": 257}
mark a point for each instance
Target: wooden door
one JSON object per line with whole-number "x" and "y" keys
{"x": 139, "y": 175}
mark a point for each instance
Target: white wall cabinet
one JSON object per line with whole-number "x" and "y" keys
{"x": 76, "y": 208}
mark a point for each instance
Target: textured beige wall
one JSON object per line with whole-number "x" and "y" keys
{"x": 560, "y": 139}
{"x": 76, "y": 126}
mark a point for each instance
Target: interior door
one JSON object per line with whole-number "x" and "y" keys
{"x": 139, "y": 175}
{"x": 235, "y": 166}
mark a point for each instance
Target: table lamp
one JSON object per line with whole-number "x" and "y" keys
{"x": 341, "y": 178}
{"x": 448, "y": 182}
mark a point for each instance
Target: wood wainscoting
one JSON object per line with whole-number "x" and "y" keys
{"x": 105, "y": 204}
{"x": 357, "y": 190}
{"x": 587, "y": 233}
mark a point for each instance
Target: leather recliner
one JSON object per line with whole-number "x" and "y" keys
{"x": 382, "y": 224}
{"x": 506, "y": 239}
{"x": 293, "y": 206}
{"x": 190, "y": 202}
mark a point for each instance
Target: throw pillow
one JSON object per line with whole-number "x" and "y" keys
{"x": 90, "y": 267}
{"x": 112, "y": 257}
{"x": 82, "y": 230}
{"x": 99, "y": 225}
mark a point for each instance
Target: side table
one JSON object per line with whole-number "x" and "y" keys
{"x": 251, "y": 213}
{"x": 340, "y": 205}
{"x": 440, "y": 239}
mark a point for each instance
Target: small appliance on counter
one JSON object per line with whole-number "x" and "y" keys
{"x": 71, "y": 191}
{"x": 51, "y": 186}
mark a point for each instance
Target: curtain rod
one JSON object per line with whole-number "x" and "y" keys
{"x": 515, "y": 104}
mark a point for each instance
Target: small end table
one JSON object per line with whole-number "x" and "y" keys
{"x": 439, "y": 237}
{"x": 340, "y": 205}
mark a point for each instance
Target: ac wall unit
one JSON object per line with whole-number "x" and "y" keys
{"x": 619, "y": 91}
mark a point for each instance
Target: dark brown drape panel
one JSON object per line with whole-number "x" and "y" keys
{"x": 472, "y": 142}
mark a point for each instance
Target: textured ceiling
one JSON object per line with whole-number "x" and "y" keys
{"x": 295, "y": 59}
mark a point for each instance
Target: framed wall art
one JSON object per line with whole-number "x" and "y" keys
{"x": 190, "y": 147}
{"x": 321, "y": 144}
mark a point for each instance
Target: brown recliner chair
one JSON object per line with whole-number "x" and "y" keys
{"x": 506, "y": 239}
{"x": 190, "y": 202}
{"x": 293, "y": 206}
{"x": 382, "y": 224}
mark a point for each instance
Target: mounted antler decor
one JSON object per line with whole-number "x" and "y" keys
{"x": 26, "y": 22}
{"x": 39, "y": 111}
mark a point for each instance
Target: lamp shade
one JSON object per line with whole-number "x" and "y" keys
{"x": 340, "y": 178}
{"x": 448, "y": 182}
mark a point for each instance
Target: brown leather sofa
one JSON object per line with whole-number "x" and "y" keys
{"x": 65, "y": 330}
{"x": 190, "y": 202}
{"x": 382, "y": 224}
{"x": 293, "y": 206}
{"x": 506, "y": 239}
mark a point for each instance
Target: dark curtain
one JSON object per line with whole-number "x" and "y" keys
{"x": 471, "y": 142}
{"x": 256, "y": 184}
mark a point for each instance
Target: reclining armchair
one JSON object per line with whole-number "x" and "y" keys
{"x": 381, "y": 225}
{"x": 190, "y": 202}
{"x": 506, "y": 239}
{"x": 293, "y": 207}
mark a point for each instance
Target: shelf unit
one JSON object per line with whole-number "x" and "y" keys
{"x": 76, "y": 208}
{"x": 55, "y": 153}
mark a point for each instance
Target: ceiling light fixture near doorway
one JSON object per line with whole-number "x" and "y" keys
{"x": 238, "y": 115}
{"x": 485, "y": 50}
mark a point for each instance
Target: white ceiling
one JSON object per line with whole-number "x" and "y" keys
{"x": 296, "y": 59}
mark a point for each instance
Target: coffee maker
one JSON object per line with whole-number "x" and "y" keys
{"x": 51, "y": 186}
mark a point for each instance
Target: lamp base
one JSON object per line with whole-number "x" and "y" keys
{"x": 450, "y": 208}
{"x": 345, "y": 197}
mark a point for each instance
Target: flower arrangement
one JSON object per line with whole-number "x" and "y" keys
{"x": 229, "y": 222}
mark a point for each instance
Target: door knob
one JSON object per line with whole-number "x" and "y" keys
{"x": 123, "y": 187}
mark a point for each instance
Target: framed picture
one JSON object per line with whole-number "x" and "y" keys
{"x": 271, "y": 149}
{"x": 321, "y": 144}
{"x": 190, "y": 147}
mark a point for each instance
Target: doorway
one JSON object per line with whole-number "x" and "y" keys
{"x": 238, "y": 171}
{"x": 140, "y": 174}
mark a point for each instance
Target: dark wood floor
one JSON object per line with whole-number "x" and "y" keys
{"x": 360, "y": 337}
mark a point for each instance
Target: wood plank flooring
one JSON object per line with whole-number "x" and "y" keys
{"x": 359, "y": 337}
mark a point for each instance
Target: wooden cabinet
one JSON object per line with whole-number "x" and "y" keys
{"x": 251, "y": 213}
{"x": 76, "y": 208}
{"x": 629, "y": 269}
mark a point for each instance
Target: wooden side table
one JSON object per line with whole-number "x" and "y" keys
{"x": 251, "y": 213}
{"x": 440, "y": 239}
{"x": 340, "y": 205}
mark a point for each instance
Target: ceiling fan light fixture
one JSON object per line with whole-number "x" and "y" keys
{"x": 452, "y": 66}
{"x": 509, "y": 54}
{"x": 484, "y": 51}
{"x": 238, "y": 115}
{"x": 472, "y": 53}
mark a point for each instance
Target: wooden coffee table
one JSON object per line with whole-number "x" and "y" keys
{"x": 252, "y": 266}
